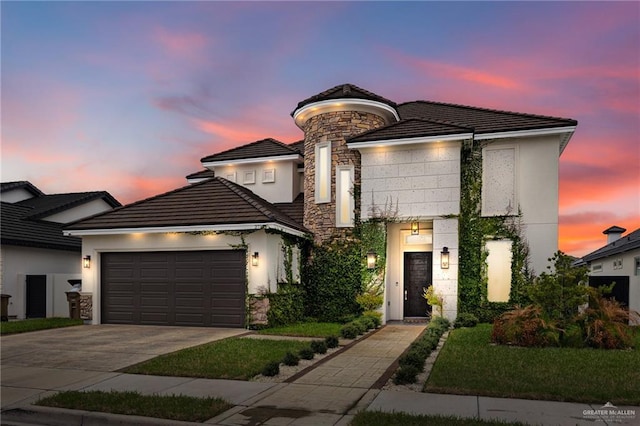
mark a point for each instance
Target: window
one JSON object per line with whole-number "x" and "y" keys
{"x": 596, "y": 267}
{"x": 617, "y": 264}
{"x": 344, "y": 196}
{"x": 323, "y": 172}
{"x": 498, "y": 270}
{"x": 231, "y": 176}
{"x": 636, "y": 262}
{"x": 249, "y": 177}
{"x": 499, "y": 182}
{"x": 269, "y": 176}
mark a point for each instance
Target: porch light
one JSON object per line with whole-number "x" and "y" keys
{"x": 86, "y": 262}
{"x": 444, "y": 258}
{"x": 415, "y": 228}
{"x": 372, "y": 257}
{"x": 255, "y": 259}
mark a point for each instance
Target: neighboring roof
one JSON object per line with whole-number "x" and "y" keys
{"x": 216, "y": 201}
{"x": 298, "y": 146}
{"x": 625, "y": 243}
{"x": 18, "y": 230}
{"x": 46, "y": 205}
{"x": 202, "y": 174}
{"x": 614, "y": 230}
{"x": 22, "y": 184}
{"x": 263, "y": 148}
{"x": 411, "y": 128}
{"x": 344, "y": 91}
{"x": 295, "y": 209}
{"x": 481, "y": 120}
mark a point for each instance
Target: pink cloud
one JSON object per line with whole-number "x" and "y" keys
{"x": 180, "y": 44}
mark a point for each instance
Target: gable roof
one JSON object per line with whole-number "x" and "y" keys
{"x": 17, "y": 229}
{"x": 344, "y": 91}
{"x": 202, "y": 174}
{"x": 46, "y": 205}
{"x": 215, "y": 203}
{"x": 21, "y": 184}
{"x": 628, "y": 242}
{"x": 294, "y": 209}
{"x": 259, "y": 149}
{"x": 298, "y": 146}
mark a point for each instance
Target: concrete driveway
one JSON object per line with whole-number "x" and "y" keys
{"x": 74, "y": 357}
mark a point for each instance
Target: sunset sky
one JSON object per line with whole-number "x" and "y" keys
{"x": 128, "y": 96}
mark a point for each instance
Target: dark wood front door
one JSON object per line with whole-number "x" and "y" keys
{"x": 36, "y": 296}
{"x": 417, "y": 275}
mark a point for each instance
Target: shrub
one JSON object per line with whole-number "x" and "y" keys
{"x": 332, "y": 341}
{"x": 605, "y": 323}
{"x": 349, "y": 331}
{"x": 290, "y": 359}
{"x": 319, "y": 346}
{"x": 572, "y": 337}
{"x": 405, "y": 375}
{"x": 525, "y": 327}
{"x": 362, "y": 327}
{"x": 286, "y": 306}
{"x": 306, "y": 353}
{"x": 434, "y": 299}
{"x": 369, "y": 301}
{"x": 465, "y": 320}
{"x": 271, "y": 369}
{"x": 414, "y": 358}
{"x": 375, "y": 316}
{"x": 441, "y": 322}
{"x": 367, "y": 322}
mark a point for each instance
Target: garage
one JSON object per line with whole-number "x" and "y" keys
{"x": 183, "y": 288}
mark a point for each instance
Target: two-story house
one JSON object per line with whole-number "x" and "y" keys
{"x": 37, "y": 260}
{"x": 191, "y": 256}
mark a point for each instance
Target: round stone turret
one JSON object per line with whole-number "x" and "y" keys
{"x": 330, "y": 118}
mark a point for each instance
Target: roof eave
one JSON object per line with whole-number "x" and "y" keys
{"x": 288, "y": 157}
{"x": 410, "y": 141}
{"x": 304, "y": 113}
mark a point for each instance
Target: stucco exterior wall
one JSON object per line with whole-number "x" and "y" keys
{"x": 627, "y": 270}
{"x": 423, "y": 180}
{"x": 57, "y": 265}
{"x": 284, "y": 189}
{"x": 79, "y": 212}
{"x": 261, "y": 277}
{"x": 536, "y": 186}
{"x": 445, "y": 281}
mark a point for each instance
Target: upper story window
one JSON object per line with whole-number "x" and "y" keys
{"x": 636, "y": 268}
{"x": 617, "y": 264}
{"x": 499, "y": 181}
{"x": 344, "y": 196}
{"x": 323, "y": 172}
{"x": 596, "y": 267}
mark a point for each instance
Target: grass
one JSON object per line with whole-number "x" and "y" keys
{"x": 469, "y": 364}
{"x": 175, "y": 407}
{"x": 306, "y": 329}
{"x": 234, "y": 358}
{"x": 367, "y": 418}
{"x": 35, "y": 324}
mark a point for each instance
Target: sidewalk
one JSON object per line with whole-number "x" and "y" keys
{"x": 330, "y": 394}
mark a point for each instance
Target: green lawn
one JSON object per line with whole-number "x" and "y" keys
{"x": 234, "y": 358}
{"x": 183, "y": 408}
{"x": 368, "y": 418}
{"x": 35, "y": 324}
{"x": 306, "y": 329}
{"x": 469, "y": 364}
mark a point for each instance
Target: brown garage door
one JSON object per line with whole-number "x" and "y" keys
{"x": 188, "y": 288}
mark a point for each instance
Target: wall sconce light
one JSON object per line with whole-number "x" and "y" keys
{"x": 255, "y": 259}
{"x": 372, "y": 257}
{"x": 444, "y": 258}
{"x": 415, "y": 228}
{"x": 86, "y": 262}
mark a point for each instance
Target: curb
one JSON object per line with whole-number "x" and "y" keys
{"x": 51, "y": 416}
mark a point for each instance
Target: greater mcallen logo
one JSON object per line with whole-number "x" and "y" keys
{"x": 609, "y": 412}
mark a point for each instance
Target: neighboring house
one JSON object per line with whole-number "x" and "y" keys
{"x": 618, "y": 261}
{"x": 37, "y": 259}
{"x": 153, "y": 257}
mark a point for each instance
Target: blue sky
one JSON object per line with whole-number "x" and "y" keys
{"x": 128, "y": 96}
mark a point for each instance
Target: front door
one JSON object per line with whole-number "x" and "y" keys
{"x": 417, "y": 275}
{"x": 36, "y": 296}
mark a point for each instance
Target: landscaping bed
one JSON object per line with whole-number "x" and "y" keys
{"x": 36, "y": 324}
{"x": 305, "y": 329}
{"x": 368, "y": 418}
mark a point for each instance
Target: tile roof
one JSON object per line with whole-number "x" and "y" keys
{"x": 343, "y": 91}
{"x": 17, "y": 229}
{"x": 215, "y": 201}
{"x": 411, "y": 128}
{"x": 7, "y": 186}
{"x": 482, "y": 120}
{"x": 46, "y": 205}
{"x": 202, "y": 174}
{"x": 298, "y": 146}
{"x": 263, "y": 148}
{"x": 295, "y": 209}
{"x": 628, "y": 242}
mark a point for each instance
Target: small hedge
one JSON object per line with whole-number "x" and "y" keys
{"x": 271, "y": 369}
{"x": 290, "y": 359}
{"x": 332, "y": 342}
{"x": 412, "y": 362}
{"x": 368, "y": 321}
{"x": 306, "y": 353}
{"x": 465, "y": 320}
{"x": 319, "y": 346}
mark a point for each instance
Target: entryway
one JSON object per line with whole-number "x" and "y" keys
{"x": 417, "y": 275}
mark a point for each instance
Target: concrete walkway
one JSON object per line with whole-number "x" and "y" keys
{"x": 330, "y": 394}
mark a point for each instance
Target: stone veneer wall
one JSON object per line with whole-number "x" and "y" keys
{"x": 86, "y": 306}
{"x": 334, "y": 127}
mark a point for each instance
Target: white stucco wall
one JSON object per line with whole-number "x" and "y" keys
{"x": 424, "y": 180}
{"x": 628, "y": 270}
{"x": 57, "y": 265}
{"x": 261, "y": 277}
{"x": 79, "y": 212}
{"x": 536, "y": 188}
{"x": 284, "y": 189}
{"x": 445, "y": 281}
